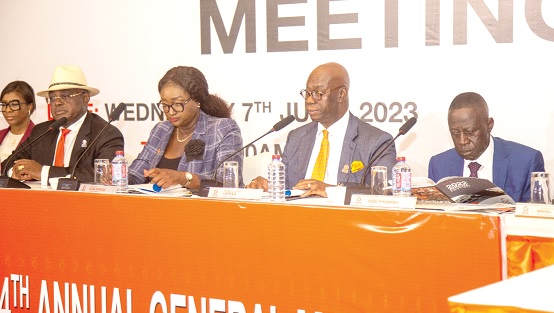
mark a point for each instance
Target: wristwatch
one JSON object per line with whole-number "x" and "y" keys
{"x": 188, "y": 177}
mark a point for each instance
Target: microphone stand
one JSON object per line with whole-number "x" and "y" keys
{"x": 8, "y": 182}
{"x": 72, "y": 183}
{"x": 205, "y": 184}
{"x": 353, "y": 188}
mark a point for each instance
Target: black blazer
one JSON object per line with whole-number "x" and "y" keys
{"x": 44, "y": 149}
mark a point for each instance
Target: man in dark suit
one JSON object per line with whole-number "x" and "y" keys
{"x": 349, "y": 138}
{"x": 55, "y": 155}
{"x": 507, "y": 164}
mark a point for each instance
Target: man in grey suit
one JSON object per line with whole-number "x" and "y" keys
{"x": 349, "y": 138}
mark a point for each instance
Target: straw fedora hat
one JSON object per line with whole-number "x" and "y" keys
{"x": 68, "y": 77}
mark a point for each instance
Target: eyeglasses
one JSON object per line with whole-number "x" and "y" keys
{"x": 14, "y": 105}
{"x": 316, "y": 94}
{"x": 176, "y": 106}
{"x": 63, "y": 98}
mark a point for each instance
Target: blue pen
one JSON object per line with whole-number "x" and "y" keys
{"x": 144, "y": 189}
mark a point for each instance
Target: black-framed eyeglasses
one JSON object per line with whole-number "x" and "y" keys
{"x": 14, "y": 105}
{"x": 176, "y": 106}
{"x": 316, "y": 94}
{"x": 63, "y": 98}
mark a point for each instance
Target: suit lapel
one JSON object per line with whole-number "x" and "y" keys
{"x": 348, "y": 148}
{"x": 82, "y": 140}
{"x": 499, "y": 164}
{"x": 305, "y": 147}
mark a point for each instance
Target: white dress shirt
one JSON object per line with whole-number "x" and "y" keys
{"x": 68, "y": 147}
{"x": 485, "y": 159}
{"x": 337, "y": 131}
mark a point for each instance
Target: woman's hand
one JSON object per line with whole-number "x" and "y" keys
{"x": 165, "y": 177}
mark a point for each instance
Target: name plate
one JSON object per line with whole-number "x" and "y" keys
{"x": 535, "y": 210}
{"x": 376, "y": 201}
{"x": 97, "y": 188}
{"x": 235, "y": 193}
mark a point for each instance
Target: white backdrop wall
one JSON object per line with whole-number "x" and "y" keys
{"x": 405, "y": 58}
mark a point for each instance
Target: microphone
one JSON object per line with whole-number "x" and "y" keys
{"x": 402, "y": 131}
{"x": 8, "y": 182}
{"x": 205, "y": 184}
{"x": 361, "y": 188}
{"x": 72, "y": 183}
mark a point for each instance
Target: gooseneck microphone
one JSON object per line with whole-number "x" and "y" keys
{"x": 72, "y": 183}
{"x": 362, "y": 188}
{"x": 402, "y": 131}
{"x": 205, "y": 184}
{"x": 8, "y": 182}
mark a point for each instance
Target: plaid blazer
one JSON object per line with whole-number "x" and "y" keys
{"x": 221, "y": 136}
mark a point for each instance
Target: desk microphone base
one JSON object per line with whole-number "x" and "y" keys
{"x": 8, "y": 182}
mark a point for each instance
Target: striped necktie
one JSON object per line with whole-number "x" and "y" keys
{"x": 321, "y": 163}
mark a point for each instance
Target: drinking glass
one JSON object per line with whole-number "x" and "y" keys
{"x": 540, "y": 188}
{"x": 378, "y": 180}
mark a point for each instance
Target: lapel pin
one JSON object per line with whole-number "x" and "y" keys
{"x": 345, "y": 169}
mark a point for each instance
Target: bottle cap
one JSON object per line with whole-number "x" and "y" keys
{"x": 398, "y": 159}
{"x": 119, "y": 152}
{"x": 275, "y": 156}
{"x": 156, "y": 188}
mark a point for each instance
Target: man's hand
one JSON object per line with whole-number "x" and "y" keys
{"x": 258, "y": 183}
{"x": 25, "y": 169}
{"x": 312, "y": 187}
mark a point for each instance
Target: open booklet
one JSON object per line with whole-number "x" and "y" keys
{"x": 461, "y": 190}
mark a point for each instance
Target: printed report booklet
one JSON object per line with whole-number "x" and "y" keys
{"x": 467, "y": 190}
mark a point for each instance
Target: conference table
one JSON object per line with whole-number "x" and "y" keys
{"x": 80, "y": 251}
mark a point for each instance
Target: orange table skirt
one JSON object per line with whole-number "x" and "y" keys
{"x": 528, "y": 253}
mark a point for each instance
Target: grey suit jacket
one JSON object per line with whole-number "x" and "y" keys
{"x": 361, "y": 142}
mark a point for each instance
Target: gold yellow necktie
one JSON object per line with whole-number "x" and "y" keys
{"x": 321, "y": 162}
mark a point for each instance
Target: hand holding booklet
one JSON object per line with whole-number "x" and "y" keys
{"x": 462, "y": 190}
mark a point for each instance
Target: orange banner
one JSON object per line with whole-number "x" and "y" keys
{"x": 80, "y": 252}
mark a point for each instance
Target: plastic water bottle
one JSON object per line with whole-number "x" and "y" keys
{"x": 276, "y": 179}
{"x": 119, "y": 172}
{"x": 401, "y": 178}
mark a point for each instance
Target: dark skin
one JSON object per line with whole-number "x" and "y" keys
{"x": 331, "y": 81}
{"x": 185, "y": 124}
{"x": 20, "y": 119}
{"x": 470, "y": 129}
{"x": 73, "y": 109}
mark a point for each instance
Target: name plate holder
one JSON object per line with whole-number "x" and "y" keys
{"x": 378, "y": 201}
{"x": 97, "y": 188}
{"x": 534, "y": 210}
{"x": 235, "y": 193}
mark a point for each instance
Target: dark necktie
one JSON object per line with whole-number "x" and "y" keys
{"x": 473, "y": 168}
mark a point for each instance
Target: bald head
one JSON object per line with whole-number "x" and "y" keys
{"x": 330, "y": 82}
{"x": 334, "y": 72}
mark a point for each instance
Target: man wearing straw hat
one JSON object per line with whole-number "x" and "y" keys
{"x": 56, "y": 153}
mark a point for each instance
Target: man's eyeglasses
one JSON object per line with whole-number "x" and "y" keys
{"x": 176, "y": 106}
{"x": 316, "y": 94}
{"x": 14, "y": 105}
{"x": 63, "y": 98}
